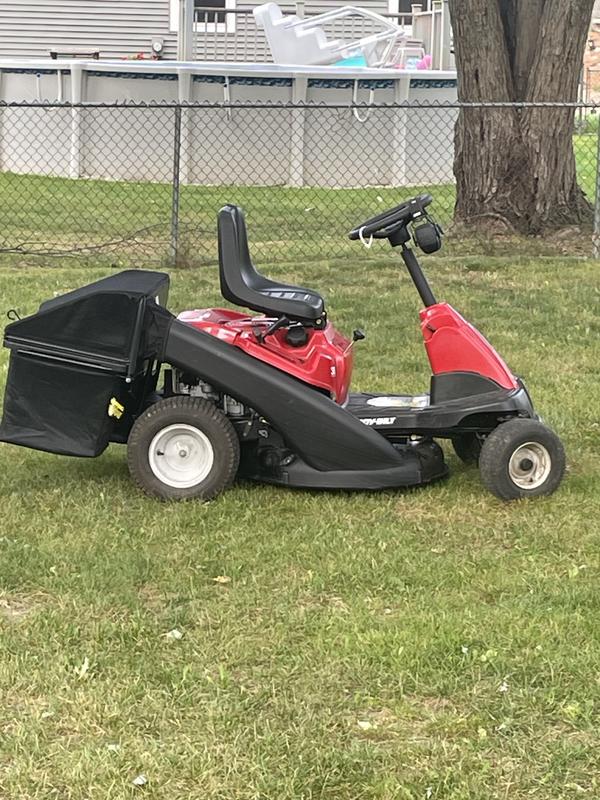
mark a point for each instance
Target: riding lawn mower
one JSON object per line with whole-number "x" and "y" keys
{"x": 219, "y": 393}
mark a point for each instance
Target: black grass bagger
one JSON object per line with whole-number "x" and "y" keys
{"x": 82, "y": 368}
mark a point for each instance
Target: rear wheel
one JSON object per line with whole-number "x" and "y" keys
{"x": 183, "y": 448}
{"x": 522, "y": 458}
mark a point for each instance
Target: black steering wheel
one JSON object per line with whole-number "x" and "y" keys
{"x": 384, "y": 225}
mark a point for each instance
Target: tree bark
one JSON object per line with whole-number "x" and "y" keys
{"x": 518, "y": 164}
{"x": 487, "y": 181}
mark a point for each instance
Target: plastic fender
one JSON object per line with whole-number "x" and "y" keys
{"x": 454, "y": 345}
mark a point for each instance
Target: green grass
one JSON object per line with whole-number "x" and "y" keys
{"x": 421, "y": 644}
{"x": 47, "y": 220}
{"x": 585, "y": 146}
{"x": 44, "y": 220}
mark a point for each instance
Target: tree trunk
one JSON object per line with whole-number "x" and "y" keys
{"x": 513, "y": 164}
{"x": 487, "y": 181}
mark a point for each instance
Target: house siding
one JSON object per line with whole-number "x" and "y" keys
{"x": 116, "y": 28}
{"x": 122, "y": 28}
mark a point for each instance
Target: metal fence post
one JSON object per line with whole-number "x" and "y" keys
{"x": 596, "y": 234}
{"x": 175, "y": 184}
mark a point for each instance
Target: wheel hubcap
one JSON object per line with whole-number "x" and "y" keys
{"x": 181, "y": 456}
{"x": 529, "y": 465}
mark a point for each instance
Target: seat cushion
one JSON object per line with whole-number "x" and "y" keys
{"x": 296, "y": 295}
{"x": 242, "y": 284}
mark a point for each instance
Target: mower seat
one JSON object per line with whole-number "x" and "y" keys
{"x": 243, "y": 285}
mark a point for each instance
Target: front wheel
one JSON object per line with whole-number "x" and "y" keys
{"x": 182, "y": 448}
{"x": 522, "y": 458}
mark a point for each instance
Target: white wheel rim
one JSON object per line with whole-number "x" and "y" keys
{"x": 529, "y": 465}
{"x": 181, "y": 456}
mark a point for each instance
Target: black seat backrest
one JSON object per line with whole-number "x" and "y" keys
{"x": 243, "y": 285}
{"x": 236, "y": 270}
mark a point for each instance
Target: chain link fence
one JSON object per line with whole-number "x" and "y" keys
{"x": 140, "y": 185}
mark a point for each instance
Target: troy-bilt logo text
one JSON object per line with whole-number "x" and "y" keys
{"x": 378, "y": 420}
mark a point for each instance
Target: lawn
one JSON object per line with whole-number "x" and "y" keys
{"x": 92, "y": 222}
{"x": 419, "y": 644}
{"x": 48, "y": 221}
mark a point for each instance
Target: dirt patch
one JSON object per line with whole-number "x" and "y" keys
{"x": 332, "y": 602}
{"x": 14, "y": 609}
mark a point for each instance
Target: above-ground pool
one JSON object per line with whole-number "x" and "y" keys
{"x": 309, "y": 145}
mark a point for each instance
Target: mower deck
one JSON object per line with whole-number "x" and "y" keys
{"x": 419, "y": 464}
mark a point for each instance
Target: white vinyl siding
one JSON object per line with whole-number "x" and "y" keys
{"x": 116, "y": 28}
{"x": 124, "y": 28}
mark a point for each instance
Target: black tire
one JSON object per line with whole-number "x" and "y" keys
{"x": 203, "y": 434}
{"x": 521, "y": 452}
{"x": 467, "y": 447}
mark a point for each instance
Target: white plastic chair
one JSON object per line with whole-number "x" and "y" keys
{"x": 303, "y": 41}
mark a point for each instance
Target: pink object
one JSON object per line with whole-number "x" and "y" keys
{"x": 422, "y": 63}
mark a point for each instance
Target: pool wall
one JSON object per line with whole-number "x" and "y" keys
{"x": 311, "y": 146}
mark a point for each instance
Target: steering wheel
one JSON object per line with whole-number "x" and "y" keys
{"x": 384, "y": 225}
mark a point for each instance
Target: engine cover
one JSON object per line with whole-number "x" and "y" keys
{"x": 323, "y": 361}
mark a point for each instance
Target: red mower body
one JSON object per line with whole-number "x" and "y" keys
{"x": 325, "y": 361}
{"x": 454, "y": 345}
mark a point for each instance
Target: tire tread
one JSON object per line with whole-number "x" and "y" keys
{"x": 499, "y": 446}
{"x": 141, "y": 474}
